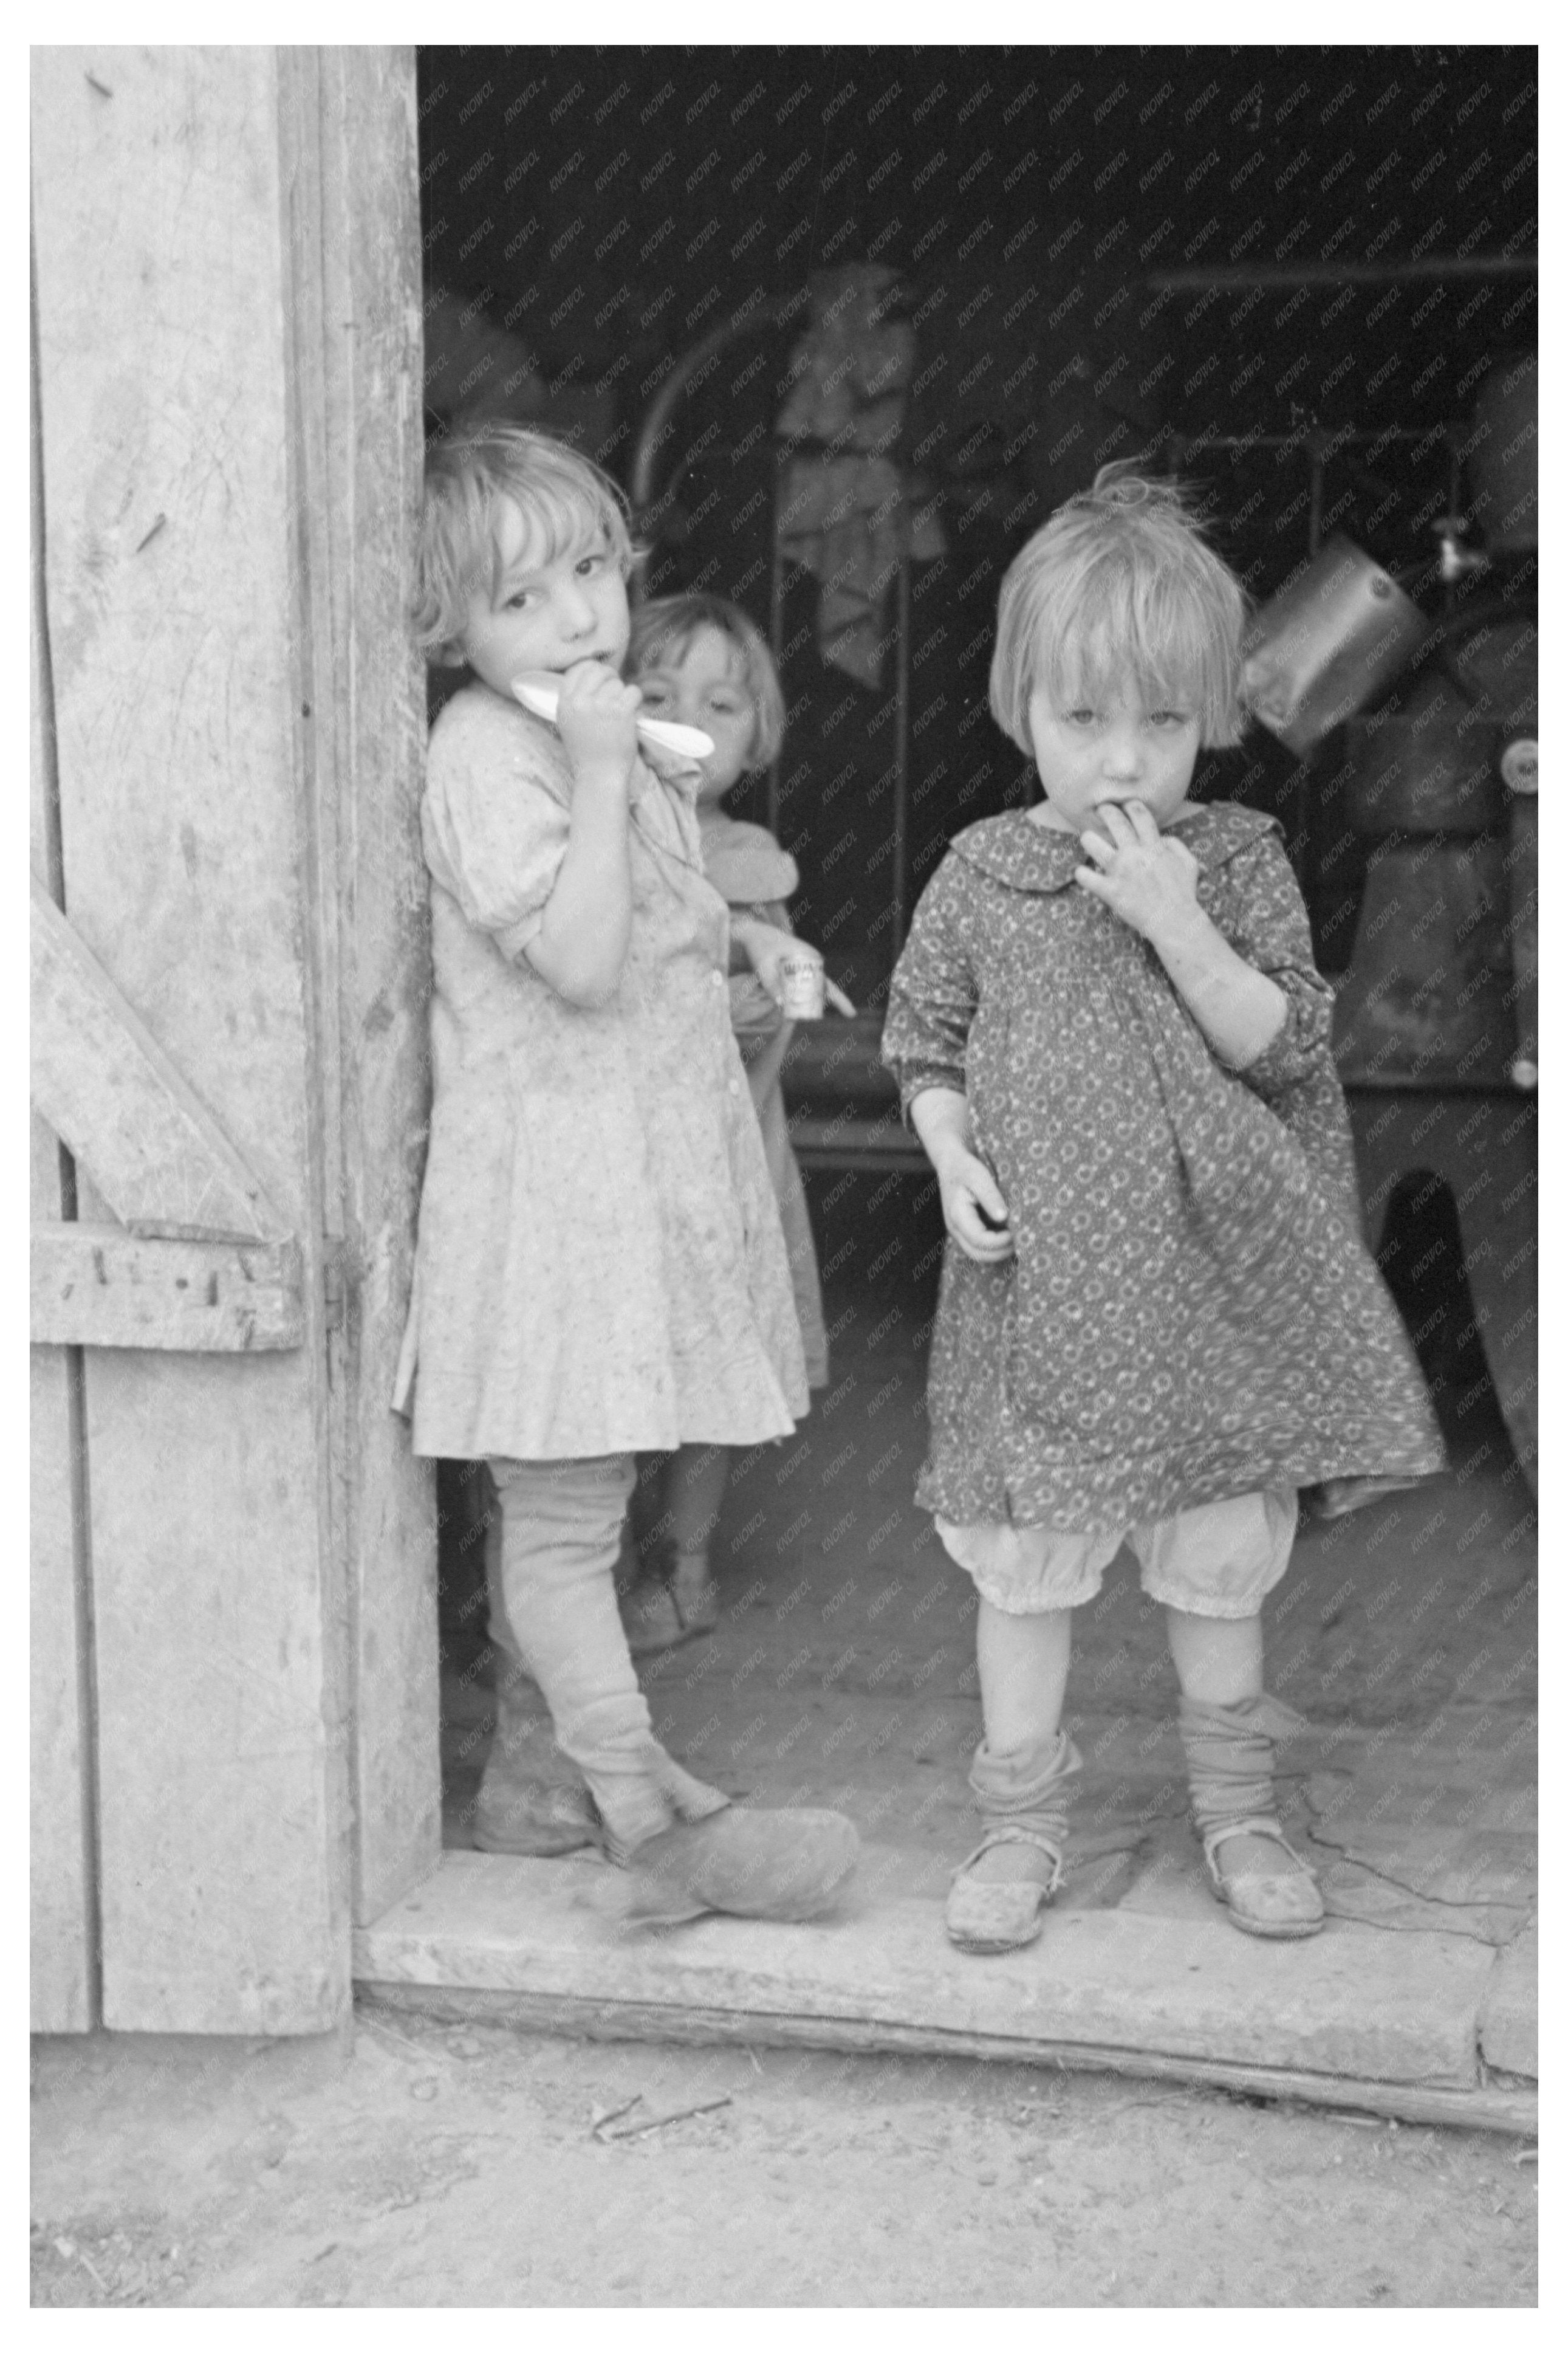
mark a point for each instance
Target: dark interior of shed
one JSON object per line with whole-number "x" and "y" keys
{"x": 1285, "y": 275}
{"x": 1082, "y": 243}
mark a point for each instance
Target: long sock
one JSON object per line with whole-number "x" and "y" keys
{"x": 1230, "y": 1762}
{"x": 1027, "y": 1786}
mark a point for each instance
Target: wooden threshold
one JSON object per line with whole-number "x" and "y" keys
{"x": 1359, "y": 2018}
{"x": 1489, "y": 2108}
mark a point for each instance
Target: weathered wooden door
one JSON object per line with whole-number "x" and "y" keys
{"x": 233, "y": 1560}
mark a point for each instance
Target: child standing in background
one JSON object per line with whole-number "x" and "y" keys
{"x": 701, "y": 662}
{"x": 1157, "y": 1320}
{"x": 600, "y": 1268}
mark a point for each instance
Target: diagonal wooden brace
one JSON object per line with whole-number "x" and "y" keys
{"x": 109, "y": 1092}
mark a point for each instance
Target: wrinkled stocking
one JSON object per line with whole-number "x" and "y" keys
{"x": 1231, "y": 1777}
{"x": 997, "y": 1897}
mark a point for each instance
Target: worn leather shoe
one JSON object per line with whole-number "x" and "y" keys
{"x": 784, "y": 1864}
{"x": 1000, "y": 1892}
{"x": 532, "y": 1799}
{"x": 515, "y": 1816}
{"x": 1287, "y": 1903}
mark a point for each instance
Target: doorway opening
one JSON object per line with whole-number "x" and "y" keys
{"x": 591, "y": 224}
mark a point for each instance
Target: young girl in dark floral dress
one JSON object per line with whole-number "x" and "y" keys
{"x": 1157, "y": 1320}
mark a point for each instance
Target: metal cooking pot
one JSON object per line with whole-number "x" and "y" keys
{"x": 1334, "y": 639}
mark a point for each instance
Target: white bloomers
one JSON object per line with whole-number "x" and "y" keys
{"x": 1218, "y": 1560}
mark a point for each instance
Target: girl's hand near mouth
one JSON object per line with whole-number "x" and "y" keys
{"x": 596, "y": 722}
{"x": 1148, "y": 877}
{"x": 1150, "y": 880}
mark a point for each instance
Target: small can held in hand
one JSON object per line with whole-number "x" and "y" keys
{"x": 805, "y": 988}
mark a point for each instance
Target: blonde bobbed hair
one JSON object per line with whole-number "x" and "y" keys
{"x": 1121, "y": 591}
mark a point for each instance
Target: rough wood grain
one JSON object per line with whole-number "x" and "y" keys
{"x": 98, "y": 1287}
{"x": 1511, "y": 2013}
{"x": 351, "y": 172}
{"x": 1356, "y": 2001}
{"x": 59, "y": 1942}
{"x": 1489, "y": 2108}
{"x": 108, "y": 1091}
{"x": 172, "y": 586}
{"x": 62, "y": 1939}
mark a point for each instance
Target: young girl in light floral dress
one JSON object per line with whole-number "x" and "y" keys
{"x": 1157, "y": 1320}
{"x": 600, "y": 1267}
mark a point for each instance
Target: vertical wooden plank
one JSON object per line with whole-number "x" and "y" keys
{"x": 60, "y": 1940}
{"x": 352, "y": 177}
{"x": 371, "y": 186}
{"x": 62, "y": 1944}
{"x": 174, "y": 588}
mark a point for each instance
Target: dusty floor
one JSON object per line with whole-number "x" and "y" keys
{"x": 842, "y": 1671}
{"x": 441, "y": 2166}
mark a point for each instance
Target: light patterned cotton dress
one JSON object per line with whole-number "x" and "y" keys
{"x": 600, "y": 1267}
{"x": 1191, "y": 1312}
{"x": 756, "y": 876}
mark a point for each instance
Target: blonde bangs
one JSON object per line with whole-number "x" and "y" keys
{"x": 1120, "y": 592}
{"x": 558, "y": 523}
{"x": 662, "y": 633}
{"x": 564, "y": 498}
{"x": 1128, "y": 632}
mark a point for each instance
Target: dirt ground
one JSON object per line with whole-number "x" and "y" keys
{"x": 455, "y": 2166}
{"x": 437, "y": 2165}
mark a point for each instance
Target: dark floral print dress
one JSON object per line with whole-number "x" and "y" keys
{"x": 1191, "y": 1312}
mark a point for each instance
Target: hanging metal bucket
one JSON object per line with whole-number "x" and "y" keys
{"x": 1331, "y": 642}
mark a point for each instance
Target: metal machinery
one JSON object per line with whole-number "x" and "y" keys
{"x": 1417, "y": 736}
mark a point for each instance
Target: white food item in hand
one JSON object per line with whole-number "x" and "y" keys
{"x": 539, "y": 692}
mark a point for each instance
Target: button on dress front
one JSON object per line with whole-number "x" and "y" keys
{"x": 1191, "y": 1312}
{"x": 600, "y": 1267}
